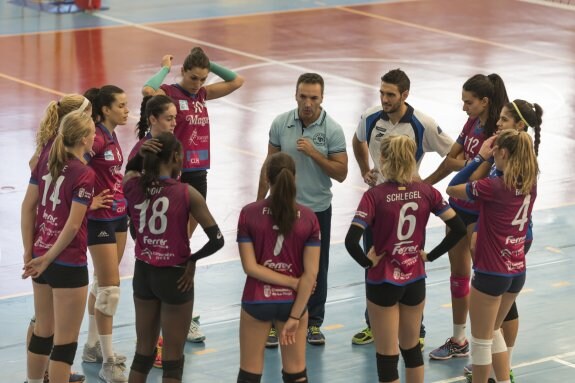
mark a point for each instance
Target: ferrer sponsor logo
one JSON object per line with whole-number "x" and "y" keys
{"x": 155, "y": 242}
{"x": 281, "y": 267}
{"x": 514, "y": 240}
{"x": 400, "y": 248}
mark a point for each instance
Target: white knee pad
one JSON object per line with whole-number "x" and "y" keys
{"x": 498, "y": 343}
{"x": 107, "y": 300}
{"x": 94, "y": 289}
{"x": 481, "y": 351}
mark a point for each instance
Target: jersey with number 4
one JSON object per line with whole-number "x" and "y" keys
{"x": 161, "y": 221}
{"x": 397, "y": 215}
{"x": 74, "y": 184}
{"x": 502, "y": 229}
{"x": 281, "y": 253}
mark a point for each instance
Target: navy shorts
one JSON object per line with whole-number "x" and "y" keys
{"x": 63, "y": 277}
{"x": 496, "y": 285}
{"x": 104, "y": 232}
{"x": 466, "y": 217}
{"x": 159, "y": 283}
{"x": 198, "y": 180}
{"x": 387, "y": 295}
{"x": 269, "y": 312}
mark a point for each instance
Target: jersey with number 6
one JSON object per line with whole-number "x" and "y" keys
{"x": 74, "y": 184}
{"x": 397, "y": 215}
{"x": 502, "y": 228}
{"x": 280, "y": 253}
{"x": 161, "y": 222}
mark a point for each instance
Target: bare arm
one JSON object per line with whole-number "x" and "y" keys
{"x": 28, "y": 220}
{"x": 452, "y": 162}
{"x": 361, "y": 153}
{"x": 223, "y": 88}
{"x": 263, "y": 186}
{"x": 306, "y": 280}
{"x": 253, "y": 269}
{"x": 458, "y": 191}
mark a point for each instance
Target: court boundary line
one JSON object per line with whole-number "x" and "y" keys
{"x": 454, "y": 34}
{"x": 262, "y": 13}
{"x": 552, "y": 358}
{"x": 548, "y": 4}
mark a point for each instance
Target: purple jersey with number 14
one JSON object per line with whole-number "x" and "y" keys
{"x": 280, "y": 253}
{"x": 74, "y": 184}
{"x": 397, "y": 215}
{"x": 502, "y": 228}
{"x": 161, "y": 222}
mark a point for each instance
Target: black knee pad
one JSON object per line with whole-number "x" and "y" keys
{"x": 64, "y": 353}
{"x": 41, "y": 346}
{"x": 298, "y": 377}
{"x": 413, "y": 357}
{"x": 143, "y": 363}
{"x": 173, "y": 369}
{"x": 248, "y": 377}
{"x": 512, "y": 314}
{"x": 387, "y": 367}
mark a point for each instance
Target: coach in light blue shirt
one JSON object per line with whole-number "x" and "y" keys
{"x": 317, "y": 144}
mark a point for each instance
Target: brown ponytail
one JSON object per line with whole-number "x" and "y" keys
{"x": 281, "y": 176}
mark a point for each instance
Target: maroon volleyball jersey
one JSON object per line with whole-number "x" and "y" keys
{"x": 106, "y": 159}
{"x": 192, "y": 126}
{"x": 398, "y": 215}
{"x": 471, "y": 138}
{"x": 138, "y": 145}
{"x": 161, "y": 222}
{"x": 502, "y": 229}
{"x": 281, "y": 253}
{"x": 74, "y": 184}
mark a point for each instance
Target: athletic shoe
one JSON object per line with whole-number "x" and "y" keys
{"x": 315, "y": 336}
{"x": 422, "y": 343}
{"x": 112, "y": 372}
{"x": 94, "y": 354}
{"x": 272, "y": 341}
{"x": 468, "y": 369}
{"x": 469, "y": 379}
{"x": 194, "y": 334}
{"x": 76, "y": 378}
{"x": 196, "y": 318}
{"x": 158, "y": 360}
{"x": 511, "y": 376}
{"x": 365, "y": 336}
{"x": 450, "y": 349}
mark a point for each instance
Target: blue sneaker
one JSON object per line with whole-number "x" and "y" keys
{"x": 272, "y": 341}
{"x": 315, "y": 336}
{"x": 450, "y": 349}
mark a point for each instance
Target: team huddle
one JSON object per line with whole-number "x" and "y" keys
{"x": 79, "y": 199}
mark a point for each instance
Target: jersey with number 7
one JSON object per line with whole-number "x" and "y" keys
{"x": 503, "y": 226}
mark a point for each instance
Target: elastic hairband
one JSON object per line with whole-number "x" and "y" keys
{"x": 84, "y": 105}
{"x": 520, "y": 115}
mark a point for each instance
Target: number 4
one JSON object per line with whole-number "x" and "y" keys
{"x": 521, "y": 217}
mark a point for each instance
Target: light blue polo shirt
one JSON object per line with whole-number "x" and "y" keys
{"x": 313, "y": 185}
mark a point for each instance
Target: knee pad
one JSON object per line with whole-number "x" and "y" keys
{"x": 173, "y": 369}
{"x": 413, "y": 357}
{"x": 387, "y": 367}
{"x": 499, "y": 344}
{"x": 143, "y": 363}
{"x": 107, "y": 300}
{"x": 94, "y": 288}
{"x": 64, "y": 353}
{"x": 512, "y": 314}
{"x": 459, "y": 286}
{"x": 481, "y": 351}
{"x": 41, "y": 346}
{"x": 298, "y": 377}
{"x": 248, "y": 377}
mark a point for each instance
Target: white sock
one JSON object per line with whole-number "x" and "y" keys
{"x": 107, "y": 348}
{"x": 510, "y": 352}
{"x": 459, "y": 332}
{"x": 41, "y": 380}
{"x": 92, "y": 331}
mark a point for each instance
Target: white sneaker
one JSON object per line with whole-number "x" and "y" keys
{"x": 94, "y": 354}
{"x": 112, "y": 372}
{"x": 194, "y": 334}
